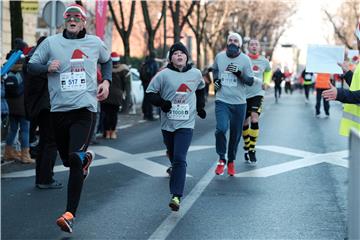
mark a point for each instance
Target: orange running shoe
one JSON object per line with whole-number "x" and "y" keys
{"x": 65, "y": 222}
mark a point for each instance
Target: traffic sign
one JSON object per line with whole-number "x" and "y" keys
{"x": 56, "y": 9}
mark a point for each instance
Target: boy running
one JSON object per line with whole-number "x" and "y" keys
{"x": 178, "y": 90}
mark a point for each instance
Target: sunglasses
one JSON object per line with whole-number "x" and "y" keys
{"x": 71, "y": 16}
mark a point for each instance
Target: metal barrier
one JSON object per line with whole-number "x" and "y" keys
{"x": 354, "y": 187}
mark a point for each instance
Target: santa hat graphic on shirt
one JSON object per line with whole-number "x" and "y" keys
{"x": 78, "y": 55}
{"x": 183, "y": 88}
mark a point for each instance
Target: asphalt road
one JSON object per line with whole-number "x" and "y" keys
{"x": 297, "y": 190}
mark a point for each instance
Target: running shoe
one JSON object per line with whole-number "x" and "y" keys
{"x": 220, "y": 167}
{"x": 252, "y": 156}
{"x": 174, "y": 204}
{"x": 66, "y": 222}
{"x": 231, "y": 168}
{"x": 90, "y": 155}
{"x": 246, "y": 157}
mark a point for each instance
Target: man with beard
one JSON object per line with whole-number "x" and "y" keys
{"x": 232, "y": 70}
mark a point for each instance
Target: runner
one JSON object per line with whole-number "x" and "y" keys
{"x": 178, "y": 90}
{"x": 307, "y": 76}
{"x": 231, "y": 70}
{"x": 70, "y": 60}
{"x": 255, "y": 95}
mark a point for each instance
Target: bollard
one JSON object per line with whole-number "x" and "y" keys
{"x": 354, "y": 186}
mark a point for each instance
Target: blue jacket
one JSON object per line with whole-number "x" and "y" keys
{"x": 4, "y": 104}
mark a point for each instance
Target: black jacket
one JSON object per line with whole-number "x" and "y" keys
{"x": 120, "y": 75}
{"x": 347, "y": 96}
{"x": 36, "y": 93}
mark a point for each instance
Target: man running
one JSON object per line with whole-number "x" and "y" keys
{"x": 70, "y": 60}
{"x": 255, "y": 95}
{"x": 232, "y": 70}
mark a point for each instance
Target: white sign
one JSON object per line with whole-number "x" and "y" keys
{"x": 325, "y": 58}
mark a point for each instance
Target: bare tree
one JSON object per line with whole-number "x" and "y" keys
{"x": 264, "y": 20}
{"x": 218, "y": 12}
{"x": 121, "y": 28}
{"x": 198, "y": 27}
{"x": 16, "y": 21}
{"x": 178, "y": 12}
{"x": 344, "y": 22}
{"x": 148, "y": 23}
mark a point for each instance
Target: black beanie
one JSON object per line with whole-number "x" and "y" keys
{"x": 176, "y": 47}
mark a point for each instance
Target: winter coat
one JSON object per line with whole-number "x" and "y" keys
{"x": 36, "y": 92}
{"x": 120, "y": 77}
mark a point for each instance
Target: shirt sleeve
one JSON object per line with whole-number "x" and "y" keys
{"x": 41, "y": 54}
{"x": 155, "y": 84}
{"x": 215, "y": 69}
{"x": 202, "y": 81}
{"x": 104, "y": 54}
{"x": 248, "y": 68}
{"x": 267, "y": 73}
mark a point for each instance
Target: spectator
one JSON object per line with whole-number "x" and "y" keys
{"x": 37, "y": 108}
{"x": 147, "y": 71}
{"x": 322, "y": 83}
{"x": 110, "y": 106}
{"x": 351, "y": 114}
{"x": 17, "y": 118}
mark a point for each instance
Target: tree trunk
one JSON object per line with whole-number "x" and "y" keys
{"x": 16, "y": 21}
{"x": 198, "y": 53}
{"x": 126, "y": 51}
{"x": 164, "y": 47}
{"x": 151, "y": 42}
{"x": 120, "y": 27}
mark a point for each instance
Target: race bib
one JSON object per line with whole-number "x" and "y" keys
{"x": 179, "y": 112}
{"x": 73, "y": 81}
{"x": 228, "y": 79}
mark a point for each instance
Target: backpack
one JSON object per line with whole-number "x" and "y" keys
{"x": 14, "y": 85}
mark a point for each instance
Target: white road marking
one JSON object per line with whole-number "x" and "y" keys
{"x": 138, "y": 162}
{"x": 174, "y": 218}
{"x": 124, "y": 126}
{"x": 163, "y": 152}
{"x": 286, "y": 151}
{"x": 309, "y": 159}
{"x": 336, "y": 158}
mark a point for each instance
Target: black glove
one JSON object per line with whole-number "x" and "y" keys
{"x": 217, "y": 84}
{"x": 165, "y": 105}
{"x": 234, "y": 69}
{"x": 201, "y": 113}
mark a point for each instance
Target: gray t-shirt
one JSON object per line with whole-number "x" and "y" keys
{"x": 179, "y": 88}
{"x": 74, "y": 86}
{"x": 232, "y": 90}
{"x": 259, "y": 66}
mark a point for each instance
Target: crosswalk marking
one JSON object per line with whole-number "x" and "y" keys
{"x": 308, "y": 159}
{"x": 137, "y": 162}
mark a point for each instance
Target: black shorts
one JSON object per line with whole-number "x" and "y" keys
{"x": 254, "y": 104}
